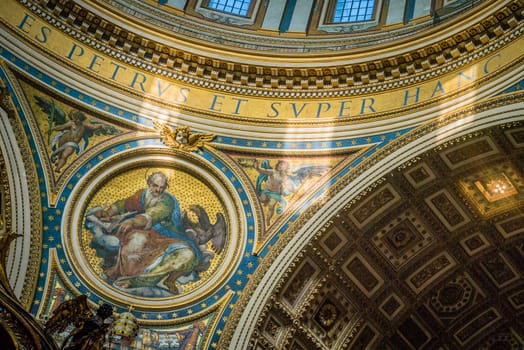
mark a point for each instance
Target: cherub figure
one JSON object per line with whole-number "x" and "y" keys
{"x": 182, "y": 135}
{"x": 273, "y": 185}
{"x": 73, "y": 131}
{"x": 182, "y": 138}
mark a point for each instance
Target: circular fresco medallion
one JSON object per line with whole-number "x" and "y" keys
{"x": 155, "y": 235}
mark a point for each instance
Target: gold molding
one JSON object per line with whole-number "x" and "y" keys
{"x": 33, "y": 261}
{"x": 438, "y": 56}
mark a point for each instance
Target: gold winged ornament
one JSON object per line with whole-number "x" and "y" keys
{"x": 182, "y": 138}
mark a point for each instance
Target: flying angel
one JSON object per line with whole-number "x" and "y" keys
{"x": 273, "y": 185}
{"x": 73, "y": 131}
{"x": 182, "y": 138}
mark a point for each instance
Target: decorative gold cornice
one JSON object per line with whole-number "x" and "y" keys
{"x": 5, "y": 242}
{"x": 33, "y": 260}
{"x": 22, "y": 328}
{"x": 190, "y": 25}
{"x": 274, "y": 79}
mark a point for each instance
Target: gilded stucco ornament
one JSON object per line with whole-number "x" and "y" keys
{"x": 346, "y": 78}
{"x": 19, "y": 329}
{"x": 5, "y": 242}
{"x": 182, "y": 138}
{"x": 8, "y": 95}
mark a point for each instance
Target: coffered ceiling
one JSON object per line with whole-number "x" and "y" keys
{"x": 430, "y": 256}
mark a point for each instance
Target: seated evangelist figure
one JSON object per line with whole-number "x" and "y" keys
{"x": 143, "y": 242}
